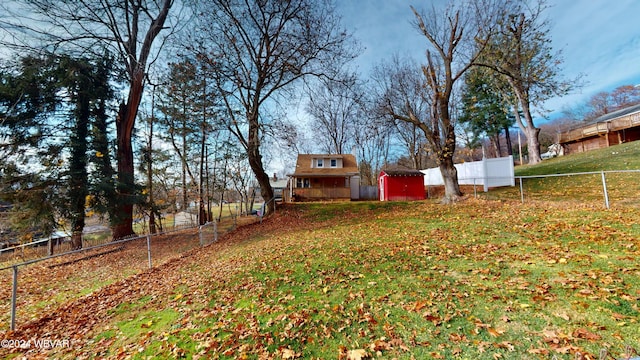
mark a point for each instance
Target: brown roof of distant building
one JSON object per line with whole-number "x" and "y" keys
{"x": 303, "y": 165}
{"x": 403, "y": 172}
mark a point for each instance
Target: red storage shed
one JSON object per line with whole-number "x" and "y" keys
{"x": 401, "y": 185}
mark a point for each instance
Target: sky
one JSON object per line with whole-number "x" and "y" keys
{"x": 599, "y": 39}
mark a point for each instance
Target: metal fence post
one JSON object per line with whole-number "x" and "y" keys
{"x": 604, "y": 187}
{"x": 200, "y": 235}
{"x": 149, "y": 249}
{"x": 14, "y": 295}
{"x": 215, "y": 231}
{"x": 521, "y": 191}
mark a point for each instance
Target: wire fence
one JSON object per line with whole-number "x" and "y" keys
{"x": 57, "y": 252}
{"x": 16, "y": 253}
{"x": 607, "y": 188}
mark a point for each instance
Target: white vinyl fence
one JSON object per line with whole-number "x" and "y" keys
{"x": 487, "y": 172}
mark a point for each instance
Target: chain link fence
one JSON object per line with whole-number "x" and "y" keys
{"x": 607, "y": 188}
{"x": 59, "y": 242}
{"x": 144, "y": 250}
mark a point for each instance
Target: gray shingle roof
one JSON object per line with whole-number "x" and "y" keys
{"x": 615, "y": 114}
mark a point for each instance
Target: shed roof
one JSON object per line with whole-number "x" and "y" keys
{"x": 403, "y": 172}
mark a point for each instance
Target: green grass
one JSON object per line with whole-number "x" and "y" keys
{"x": 622, "y": 188}
{"x": 478, "y": 280}
{"x": 619, "y": 157}
{"x": 481, "y": 279}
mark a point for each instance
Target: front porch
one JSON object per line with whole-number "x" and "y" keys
{"x": 310, "y": 194}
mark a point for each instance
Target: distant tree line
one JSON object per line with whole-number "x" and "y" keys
{"x": 136, "y": 108}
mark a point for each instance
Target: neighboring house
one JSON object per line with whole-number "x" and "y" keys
{"x": 278, "y": 186}
{"x": 401, "y": 185}
{"x": 325, "y": 177}
{"x": 610, "y": 129}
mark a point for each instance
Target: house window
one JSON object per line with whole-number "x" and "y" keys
{"x": 319, "y": 163}
{"x": 334, "y": 163}
{"x": 303, "y": 183}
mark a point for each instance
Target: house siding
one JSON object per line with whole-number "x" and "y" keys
{"x": 324, "y": 182}
{"x": 610, "y": 129}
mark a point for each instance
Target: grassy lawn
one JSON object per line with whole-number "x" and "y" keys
{"x": 487, "y": 278}
{"x": 622, "y": 188}
{"x": 478, "y": 280}
{"x": 619, "y": 157}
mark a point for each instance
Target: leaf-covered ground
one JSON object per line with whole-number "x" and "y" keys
{"x": 477, "y": 280}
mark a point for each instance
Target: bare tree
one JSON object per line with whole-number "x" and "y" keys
{"x": 334, "y": 107}
{"x": 129, "y": 28}
{"x": 258, "y": 49}
{"x": 521, "y": 52}
{"x": 425, "y": 99}
{"x": 372, "y": 139}
{"x": 414, "y": 142}
{"x": 401, "y": 84}
{"x": 625, "y": 95}
{"x": 600, "y": 104}
{"x": 605, "y": 102}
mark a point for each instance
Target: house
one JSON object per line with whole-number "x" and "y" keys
{"x": 610, "y": 129}
{"x": 325, "y": 177}
{"x": 278, "y": 186}
{"x": 401, "y": 185}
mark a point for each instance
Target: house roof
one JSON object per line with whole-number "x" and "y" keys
{"x": 403, "y": 172}
{"x": 614, "y": 115}
{"x": 303, "y": 166}
{"x": 280, "y": 183}
{"x": 613, "y": 121}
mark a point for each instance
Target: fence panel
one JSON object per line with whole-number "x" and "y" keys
{"x": 487, "y": 173}
{"x": 368, "y": 192}
{"x": 133, "y": 256}
{"x": 602, "y": 188}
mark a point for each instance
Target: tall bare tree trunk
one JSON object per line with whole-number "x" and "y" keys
{"x": 450, "y": 177}
{"x": 126, "y": 185}
{"x": 533, "y": 144}
{"x": 448, "y": 170}
{"x": 530, "y": 131}
{"x": 202, "y": 214}
{"x": 152, "y": 206}
{"x": 255, "y": 162}
{"x": 507, "y": 135}
{"x": 126, "y": 118}
{"x": 495, "y": 139}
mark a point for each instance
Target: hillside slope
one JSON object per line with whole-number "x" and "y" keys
{"x": 619, "y": 157}
{"x": 481, "y": 279}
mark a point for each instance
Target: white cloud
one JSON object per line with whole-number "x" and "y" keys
{"x": 601, "y": 41}
{"x": 598, "y": 38}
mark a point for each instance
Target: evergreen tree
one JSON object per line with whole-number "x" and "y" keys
{"x": 48, "y": 104}
{"x": 484, "y": 108}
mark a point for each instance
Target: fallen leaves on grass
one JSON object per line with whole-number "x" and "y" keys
{"x": 414, "y": 279}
